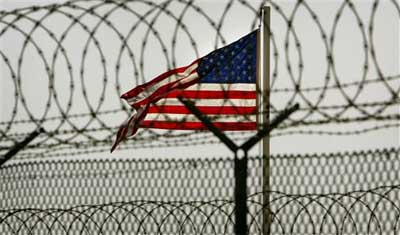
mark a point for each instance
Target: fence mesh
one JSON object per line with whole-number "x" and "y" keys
{"x": 344, "y": 192}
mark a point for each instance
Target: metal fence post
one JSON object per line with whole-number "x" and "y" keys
{"x": 19, "y": 146}
{"x": 241, "y": 158}
{"x": 241, "y": 209}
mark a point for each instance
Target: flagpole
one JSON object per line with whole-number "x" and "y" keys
{"x": 266, "y": 18}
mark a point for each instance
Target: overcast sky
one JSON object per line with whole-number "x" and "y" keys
{"x": 348, "y": 52}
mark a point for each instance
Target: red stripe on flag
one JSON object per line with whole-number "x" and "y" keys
{"x": 205, "y": 94}
{"x": 226, "y": 126}
{"x": 204, "y": 109}
{"x": 163, "y": 91}
{"x": 135, "y": 91}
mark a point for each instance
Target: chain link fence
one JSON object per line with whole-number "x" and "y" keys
{"x": 97, "y": 181}
{"x": 338, "y": 193}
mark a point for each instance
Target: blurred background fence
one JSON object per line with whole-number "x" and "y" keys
{"x": 64, "y": 66}
{"x": 98, "y": 181}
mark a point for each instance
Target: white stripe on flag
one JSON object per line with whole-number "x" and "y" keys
{"x": 211, "y": 102}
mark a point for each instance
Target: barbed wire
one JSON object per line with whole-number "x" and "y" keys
{"x": 308, "y": 214}
{"x": 74, "y": 116}
{"x": 100, "y": 196}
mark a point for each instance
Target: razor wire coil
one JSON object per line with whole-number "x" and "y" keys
{"x": 68, "y": 128}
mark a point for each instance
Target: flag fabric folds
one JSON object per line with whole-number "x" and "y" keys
{"x": 222, "y": 85}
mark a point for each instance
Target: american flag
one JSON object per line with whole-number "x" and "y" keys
{"x": 222, "y": 85}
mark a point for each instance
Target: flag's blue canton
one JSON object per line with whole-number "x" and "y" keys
{"x": 234, "y": 63}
